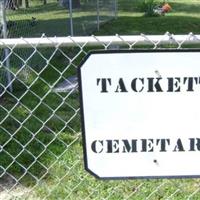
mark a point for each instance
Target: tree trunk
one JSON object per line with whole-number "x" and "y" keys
{"x": 44, "y": 2}
{"x": 76, "y": 3}
{"x": 19, "y": 3}
{"x": 26, "y": 3}
{"x": 11, "y": 4}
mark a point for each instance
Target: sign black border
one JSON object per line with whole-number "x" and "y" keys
{"x": 82, "y": 110}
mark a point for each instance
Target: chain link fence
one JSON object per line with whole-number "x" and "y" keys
{"x": 28, "y": 18}
{"x": 40, "y": 135}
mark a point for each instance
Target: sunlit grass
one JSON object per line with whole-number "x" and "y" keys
{"x": 41, "y": 139}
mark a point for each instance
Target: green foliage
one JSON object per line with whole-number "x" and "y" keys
{"x": 148, "y": 6}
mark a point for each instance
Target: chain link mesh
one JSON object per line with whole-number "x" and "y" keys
{"x": 40, "y": 136}
{"x": 26, "y": 18}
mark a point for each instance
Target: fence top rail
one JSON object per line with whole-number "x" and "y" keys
{"x": 99, "y": 40}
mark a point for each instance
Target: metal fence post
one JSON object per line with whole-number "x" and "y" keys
{"x": 71, "y": 17}
{"x": 6, "y": 50}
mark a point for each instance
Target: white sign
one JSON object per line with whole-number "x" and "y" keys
{"x": 141, "y": 113}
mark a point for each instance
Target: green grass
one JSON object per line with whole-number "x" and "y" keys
{"x": 40, "y": 140}
{"x": 183, "y": 19}
{"x": 53, "y": 20}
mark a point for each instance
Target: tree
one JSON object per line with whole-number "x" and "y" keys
{"x": 15, "y": 4}
{"x": 12, "y": 4}
{"x": 76, "y": 3}
{"x": 19, "y": 3}
{"x": 26, "y": 3}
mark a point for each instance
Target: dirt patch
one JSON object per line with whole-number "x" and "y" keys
{"x": 16, "y": 193}
{"x": 9, "y": 189}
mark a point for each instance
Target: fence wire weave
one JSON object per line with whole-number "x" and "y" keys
{"x": 40, "y": 135}
{"x": 25, "y": 18}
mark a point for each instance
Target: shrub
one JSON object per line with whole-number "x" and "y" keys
{"x": 148, "y": 7}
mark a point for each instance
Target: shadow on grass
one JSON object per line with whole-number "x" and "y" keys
{"x": 124, "y": 25}
{"x": 55, "y": 7}
{"x": 36, "y": 9}
{"x": 135, "y": 6}
{"x": 83, "y": 25}
{"x": 151, "y": 25}
{"x": 190, "y": 7}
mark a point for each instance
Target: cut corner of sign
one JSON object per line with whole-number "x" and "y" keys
{"x": 92, "y": 173}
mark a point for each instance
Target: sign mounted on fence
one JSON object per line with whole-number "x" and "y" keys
{"x": 141, "y": 113}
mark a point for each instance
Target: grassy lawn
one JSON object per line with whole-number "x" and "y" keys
{"x": 40, "y": 137}
{"x": 183, "y": 19}
{"x": 53, "y": 20}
